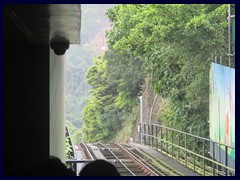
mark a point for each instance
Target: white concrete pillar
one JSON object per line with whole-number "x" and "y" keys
{"x": 57, "y": 106}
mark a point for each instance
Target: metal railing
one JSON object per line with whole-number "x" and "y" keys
{"x": 68, "y": 136}
{"x": 191, "y": 150}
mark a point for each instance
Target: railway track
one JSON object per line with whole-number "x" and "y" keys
{"x": 86, "y": 152}
{"x": 128, "y": 161}
{"x": 154, "y": 162}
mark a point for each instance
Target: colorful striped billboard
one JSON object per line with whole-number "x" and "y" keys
{"x": 222, "y": 110}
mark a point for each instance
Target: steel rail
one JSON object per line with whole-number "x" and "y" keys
{"x": 119, "y": 160}
{"x": 151, "y": 166}
{"x": 158, "y": 161}
{"x": 136, "y": 160}
{"x": 88, "y": 152}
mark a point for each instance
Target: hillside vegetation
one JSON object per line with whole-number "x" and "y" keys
{"x": 79, "y": 58}
{"x": 167, "y": 46}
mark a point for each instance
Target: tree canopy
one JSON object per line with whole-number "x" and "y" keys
{"x": 175, "y": 43}
{"x": 170, "y": 46}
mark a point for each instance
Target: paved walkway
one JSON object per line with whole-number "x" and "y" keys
{"x": 167, "y": 160}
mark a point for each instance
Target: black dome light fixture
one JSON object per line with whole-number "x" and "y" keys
{"x": 59, "y": 44}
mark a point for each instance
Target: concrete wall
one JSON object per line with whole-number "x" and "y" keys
{"x": 57, "y": 104}
{"x": 25, "y": 98}
{"x": 33, "y": 95}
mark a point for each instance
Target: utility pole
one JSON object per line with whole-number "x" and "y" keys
{"x": 229, "y": 36}
{"x": 141, "y": 119}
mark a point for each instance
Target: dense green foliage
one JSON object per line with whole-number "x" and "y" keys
{"x": 171, "y": 46}
{"x": 77, "y": 92}
{"x": 175, "y": 44}
{"x": 79, "y": 59}
{"x": 114, "y": 94}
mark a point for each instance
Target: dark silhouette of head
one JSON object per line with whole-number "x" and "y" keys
{"x": 99, "y": 167}
{"x": 54, "y": 167}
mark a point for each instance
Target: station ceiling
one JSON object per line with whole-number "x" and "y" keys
{"x": 42, "y": 22}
